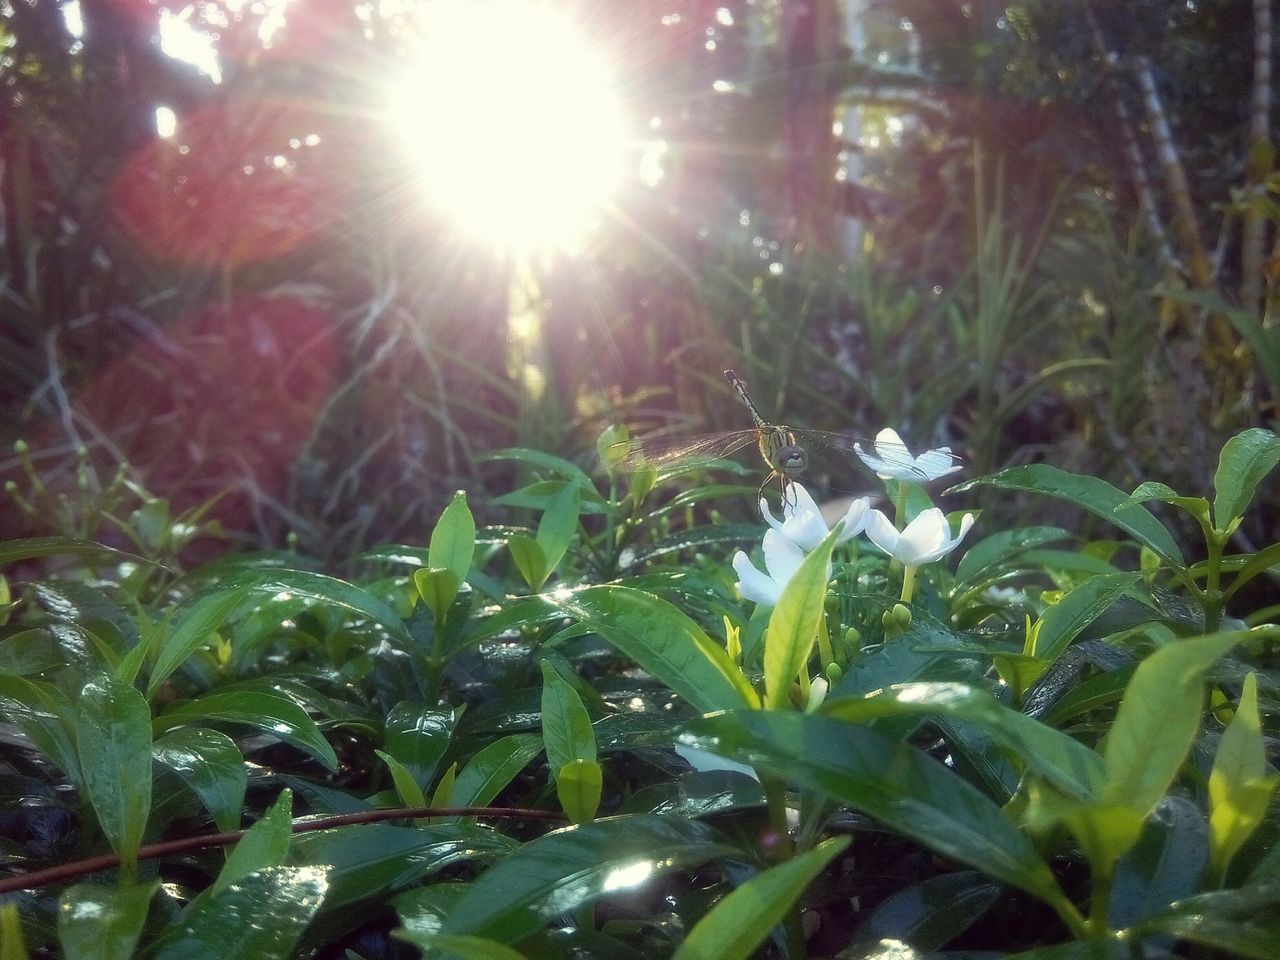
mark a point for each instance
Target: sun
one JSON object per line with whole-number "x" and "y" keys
{"x": 512, "y": 122}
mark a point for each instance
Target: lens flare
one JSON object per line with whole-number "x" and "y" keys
{"x": 511, "y": 121}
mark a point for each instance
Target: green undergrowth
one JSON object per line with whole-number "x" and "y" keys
{"x": 572, "y": 736}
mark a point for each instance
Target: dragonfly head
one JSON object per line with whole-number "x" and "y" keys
{"x": 791, "y": 460}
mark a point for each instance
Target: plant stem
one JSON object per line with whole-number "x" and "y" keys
{"x": 908, "y": 582}
{"x": 782, "y": 849}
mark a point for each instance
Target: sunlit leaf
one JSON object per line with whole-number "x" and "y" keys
{"x": 113, "y": 738}
{"x": 1245, "y": 461}
{"x": 268, "y": 712}
{"x": 490, "y": 770}
{"x": 561, "y": 871}
{"x": 662, "y": 640}
{"x": 100, "y": 922}
{"x": 261, "y": 916}
{"x": 190, "y": 628}
{"x": 739, "y": 923}
{"x": 578, "y": 787}
{"x": 793, "y": 625}
{"x": 453, "y": 541}
{"x": 210, "y": 764}
{"x": 265, "y": 844}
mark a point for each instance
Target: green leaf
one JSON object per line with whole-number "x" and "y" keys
{"x": 438, "y": 587}
{"x": 11, "y": 943}
{"x": 113, "y": 739}
{"x": 1110, "y": 949}
{"x": 407, "y": 788}
{"x": 579, "y": 784}
{"x": 42, "y": 712}
{"x": 558, "y": 525}
{"x": 462, "y": 948}
{"x": 443, "y": 794}
{"x": 98, "y": 922}
{"x": 563, "y": 870}
{"x": 1063, "y": 622}
{"x": 1166, "y": 864}
{"x": 272, "y": 714}
{"x": 32, "y": 548}
{"x": 542, "y": 461}
{"x": 566, "y": 727}
{"x": 490, "y": 770}
{"x": 284, "y": 584}
{"x": 1097, "y": 496}
{"x": 261, "y": 917}
{"x": 793, "y": 625}
{"x": 530, "y": 560}
{"x": 928, "y": 914}
{"x": 1245, "y": 461}
{"x": 1158, "y": 718}
{"x": 739, "y": 923}
{"x": 1067, "y": 763}
{"x": 1198, "y": 507}
{"x": 191, "y": 628}
{"x": 997, "y": 550}
{"x": 211, "y": 766}
{"x": 1240, "y": 788}
{"x": 369, "y": 861}
{"x": 418, "y": 737}
{"x": 662, "y": 640}
{"x": 884, "y": 778}
{"x": 1244, "y": 921}
{"x": 265, "y": 844}
{"x": 453, "y": 541}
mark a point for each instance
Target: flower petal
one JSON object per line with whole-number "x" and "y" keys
{"x": 798, "y": 500}
{"x": 805, "y": 529}
{"x": 854, "y": 520}
{"x": 769, "y": 518}
{"x": 753, "y": 584}
{"x": 936, "y": 463}
{"x": 882, "y": 533}
{"x": 782, "y": 557}
{"x": 927, "y": 533}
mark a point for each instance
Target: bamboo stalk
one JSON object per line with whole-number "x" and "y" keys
{"x": 1253, "y": 239}
{"x": 1184, "y": 218}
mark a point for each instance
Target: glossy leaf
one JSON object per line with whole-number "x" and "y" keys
{"x": 884, "y": 778}
{"x": 793, "y": 625}
{"x": 100, "y": 922}
{"x": 530, "y": 560}
{"x": 1097, "y": 496}
{"x": 579, "y": 784}
{"x": 1198, "y": 507}
{"x": 561, "y": 871}
{"x": 1063, "y": 621}
{"x": 490, "y": 770}
{"x": 113, "y": 739}
{"x": 438, "y": 587}
{"x": 1245, "y": 461}
{"x": 210, "y": 764}
{"x": 1244, "y": 921}
{"x": 277, "y": 583}
{"x": 407, "y": 789}
{"x": 662, "y": 640}
{"x": 43, "y": 714}
{"x": 460, "y": 948}
{"x": 1067, "y": 763}
{"x": 928, "y": 914}
{"x": 271, "y": 713}
{"x": 418, "y": 737}
{"x": 262, "y": 916}
{"x": 190, "y": 629}
{"x": 32, "y": 548}
{"x": 558, "y": 525}
{"x": 1108, "y": 949}
{"x": 373, "y": 860}
{"x": 1158, "y": 718}
{"x": 1001, "y": 548}
{"x": 566, "y": 727}
{"x": 1240, "y": 786}
{"x": 739, "y": 923}
{"x": 1166, "y": 864}
{"x": 453, "y": 541}
{"x": 265, "y": 844}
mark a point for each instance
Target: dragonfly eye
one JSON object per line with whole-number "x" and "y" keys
{"x": 792, "y": 461}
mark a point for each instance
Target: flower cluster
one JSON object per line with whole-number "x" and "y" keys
{"x": 928, "y": 537}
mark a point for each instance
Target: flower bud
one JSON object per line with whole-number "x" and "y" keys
{"x": 833, "y": 672}
{"x": 902, "y": 615}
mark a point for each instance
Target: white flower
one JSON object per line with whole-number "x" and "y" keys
{"x": 891, "y": 460}
{"x": 781, "y": 558}
{"x": 817, "y": 693}
{"x": 926, "y": 538}
{"x": 802, "y": 521}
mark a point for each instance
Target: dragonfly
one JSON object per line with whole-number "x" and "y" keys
{"x": 784, "y": 449}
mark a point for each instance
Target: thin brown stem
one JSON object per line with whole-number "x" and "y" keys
{"x": 78, "y": 868}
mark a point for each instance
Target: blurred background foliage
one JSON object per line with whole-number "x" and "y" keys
{"x": 1038, "y": 230}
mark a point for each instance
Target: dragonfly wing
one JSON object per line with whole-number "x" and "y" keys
{"x": 659, "y": 452}
{"x": 895, "y": 455}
